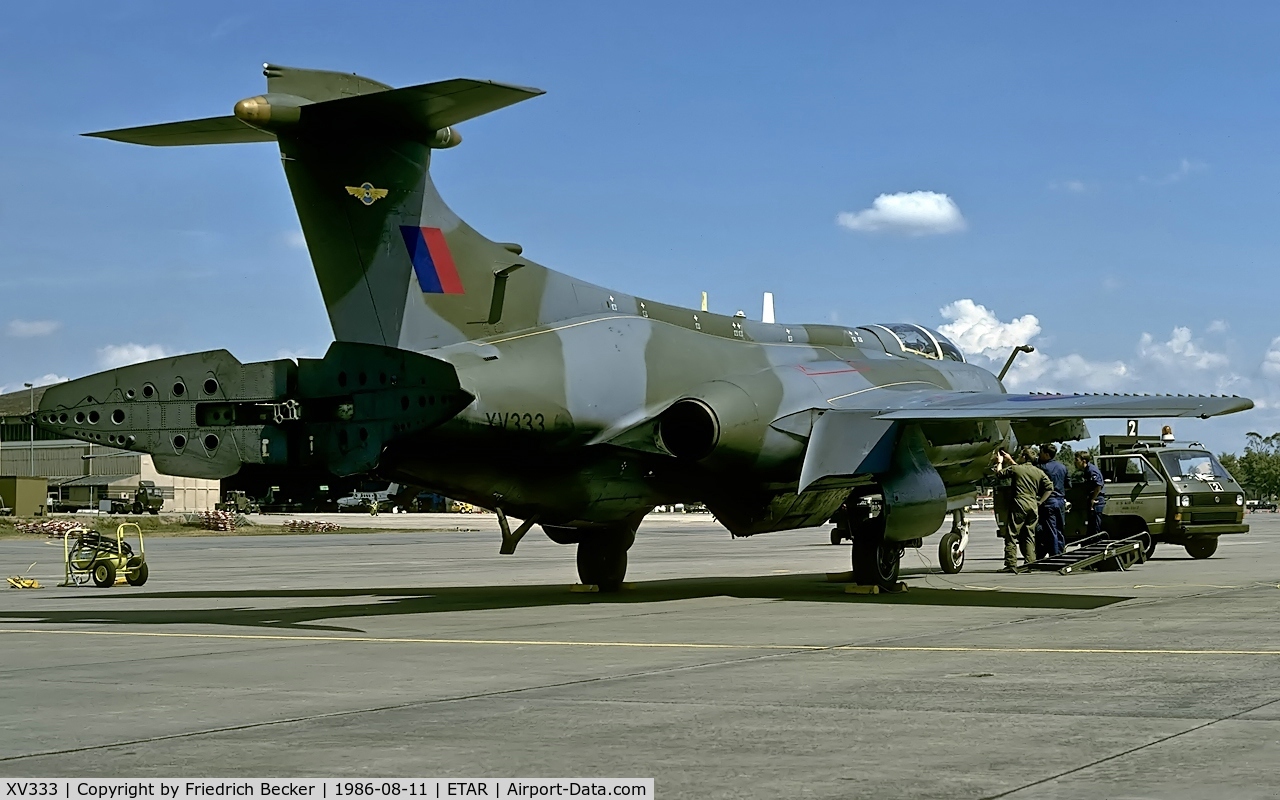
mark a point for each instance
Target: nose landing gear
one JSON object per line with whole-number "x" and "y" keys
{"x": 951, "y": 547}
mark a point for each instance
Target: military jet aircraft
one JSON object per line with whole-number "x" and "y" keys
{"x": 462, "y": 366}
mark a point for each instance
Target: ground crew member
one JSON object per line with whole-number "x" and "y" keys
{"x": 1091, "y": 477}
{"x": 1031, "y": 487}
{"x": 1002, "y": 492}
{"x": 1053, "y": 516}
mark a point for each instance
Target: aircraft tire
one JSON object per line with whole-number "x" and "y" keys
{"x": 950, "y": 556}
{"x": 104, "y": 574}
{"x": 875, "y": 561}
{"x": 1202, "y": 546}
{"x": 602, "y": 562}
{"x": 836, "y": 536}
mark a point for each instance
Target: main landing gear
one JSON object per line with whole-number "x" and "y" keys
{"x": 602, "y": 553}
{"x": 875, "y": 559}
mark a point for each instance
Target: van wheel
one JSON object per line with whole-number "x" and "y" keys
{"x": 1202, "y": 546}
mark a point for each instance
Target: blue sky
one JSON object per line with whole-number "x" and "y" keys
{"x": 1102, "y": 178}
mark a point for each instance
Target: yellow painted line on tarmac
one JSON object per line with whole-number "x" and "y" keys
{"x": 868, "y": 648}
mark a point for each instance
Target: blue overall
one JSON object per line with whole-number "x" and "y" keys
{"x": 1053, "y": 513}
{"x": 1091, "y": 477}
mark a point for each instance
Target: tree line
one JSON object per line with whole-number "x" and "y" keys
{"x": 1258, "y": 468}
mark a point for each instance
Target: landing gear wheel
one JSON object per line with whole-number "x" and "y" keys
{"x": 836, "y": 536}
{"x": 1202, "y": 546}
{"x": 602, "y": 558}
{"x": 104, "y": 574}
{"x": 139, "y": 576}
{"x": 875, "y": 561}
{"x": 950, "y": 554}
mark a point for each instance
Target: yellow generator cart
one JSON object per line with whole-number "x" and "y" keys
{"x": 90, "y": 555}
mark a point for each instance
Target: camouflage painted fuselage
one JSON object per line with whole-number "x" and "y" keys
{"x": 547, "y": 433}
{"x": 462, "y": 366}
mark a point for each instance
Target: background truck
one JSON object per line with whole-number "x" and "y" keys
{"x": 146, "y": 499}
{"x": 239, "y": 502}
{"x": 1174, "y": 492}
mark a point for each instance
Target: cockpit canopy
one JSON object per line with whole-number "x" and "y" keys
{"x": 916, "y": 339}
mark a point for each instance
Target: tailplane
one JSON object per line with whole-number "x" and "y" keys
{"x": 396, "y": 266}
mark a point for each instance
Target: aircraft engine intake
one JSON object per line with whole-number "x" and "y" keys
{"x": 718, "y": 423}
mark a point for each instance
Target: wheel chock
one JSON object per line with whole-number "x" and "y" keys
{"x": 839, "y": 577}
{"x": 584, "y": 587}
{"x": 860, "y": 589}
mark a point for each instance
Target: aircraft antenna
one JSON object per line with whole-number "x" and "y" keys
{"x": 767, "y": 316}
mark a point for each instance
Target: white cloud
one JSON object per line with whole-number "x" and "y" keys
{"x": 910, "y": 213}
{"x": 1271, "y": 360}
{"x": 1218, "y": 326}
{"x": 1180, "y": 351}
{"x": 1186, "y": 167}
{"x": 43, "y": 380}
{"x": 1039, "y": 372}
{"x": 22, "y": 329}
{"x": 1182, "y": 363}
{"x": 976, "y": 329}
{"x": 120, "y": 355}
{"x": 1073, "y": 186}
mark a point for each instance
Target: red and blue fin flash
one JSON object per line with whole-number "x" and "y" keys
{"x": 432, "y": 261}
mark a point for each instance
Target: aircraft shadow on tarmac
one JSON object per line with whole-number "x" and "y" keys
{"x": 427, "y": 600}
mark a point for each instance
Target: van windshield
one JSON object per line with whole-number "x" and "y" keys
{"x": 1194, "y": 464}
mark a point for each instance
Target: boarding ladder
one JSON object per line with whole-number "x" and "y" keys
{"x": 1099, "y": 550}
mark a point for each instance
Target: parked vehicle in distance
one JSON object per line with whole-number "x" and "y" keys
{"x": 1261, "y": 505}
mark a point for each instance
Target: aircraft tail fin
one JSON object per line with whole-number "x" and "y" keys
{"x": 395, "y": 265}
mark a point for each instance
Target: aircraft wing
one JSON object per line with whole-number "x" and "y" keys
{"x": 430, "y": 105}
{"x": 848, "y": 442}
{"x": 212, "y": 130}
{"x": 994, "y": 405}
